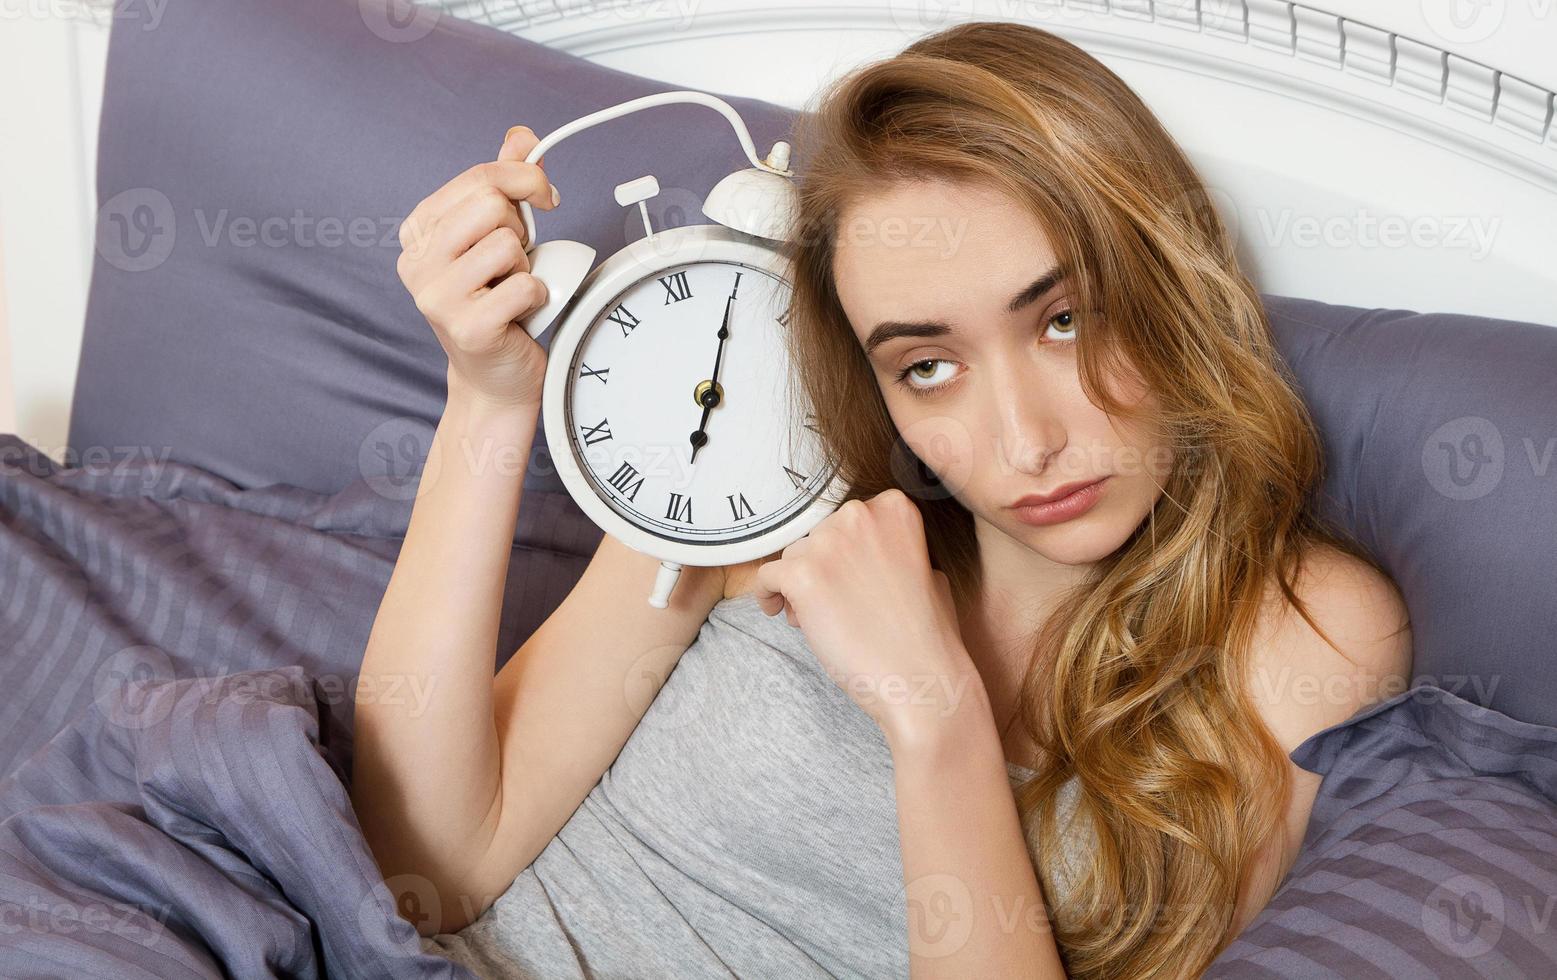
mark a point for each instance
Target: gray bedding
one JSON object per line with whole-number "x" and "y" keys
{"x": 1431, "y": 851}
{"x": 290, "y": 393}
{"x": 196, "y": 828}
{"x": 178, "y": 657}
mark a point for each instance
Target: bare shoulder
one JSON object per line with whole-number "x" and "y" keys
{"x": 1301, "y": 684}
{"x": 1301, "y": 681}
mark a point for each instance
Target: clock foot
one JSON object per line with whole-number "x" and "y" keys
{"x": 664, "y": 582}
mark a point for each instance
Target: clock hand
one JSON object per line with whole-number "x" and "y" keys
{"x": 724, "y": 333}
{"x": 710, "y": 397}
{"x": 700, "y": 437}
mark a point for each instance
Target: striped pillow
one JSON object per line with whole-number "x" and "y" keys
{"x": 1431, "y": 851}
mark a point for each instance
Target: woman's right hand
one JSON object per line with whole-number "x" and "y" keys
{"x": 463, "y": 261}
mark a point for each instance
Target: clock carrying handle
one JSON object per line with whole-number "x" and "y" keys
{"x": 527, "y": 214}
{"x": 567, "y": 263}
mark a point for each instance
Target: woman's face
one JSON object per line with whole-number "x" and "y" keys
{"x": 937, "y": 280}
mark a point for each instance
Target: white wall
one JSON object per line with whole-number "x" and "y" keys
{"x": 48, "y": 59}
{"x": 1519, "y": 36}
{"x": 7, "y": 397}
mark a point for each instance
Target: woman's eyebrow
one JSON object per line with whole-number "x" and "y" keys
{"x": 1037, "y": 289}
{"x": 893, "y": 329}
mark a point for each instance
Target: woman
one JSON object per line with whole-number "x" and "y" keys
{"x": 1141, "y": 655}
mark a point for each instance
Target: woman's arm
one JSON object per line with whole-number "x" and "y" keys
{"x": 425, "y": 774}
{"x": 458, "y": 790}
{"x": 973, "y": 900}
{"x": 974, "y": 906}
{"x": 881, "y": 621}
{"x": 464, "y": 788}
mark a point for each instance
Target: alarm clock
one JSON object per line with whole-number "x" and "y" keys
{"x": 669, "y": 402}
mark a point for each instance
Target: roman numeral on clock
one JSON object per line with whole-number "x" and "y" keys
{"x": 739, "y": 509}
{"x": 623, "y": 481}
{"x": 676, "y": 288}
{"x": 796, "y": 478}
{"x": 680, "y": 509}
{"x": 622, "y": 318}
{"x": 596, "y": 433}
{"x": 589, "y": 372}
{"x": 783, "y": 318}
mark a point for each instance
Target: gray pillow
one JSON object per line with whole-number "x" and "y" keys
{"x": 1432, "y": 850}
{"x": 254, "y": 163}
{"x": 1442, "y": 460}
{"x": 289, "y": 352}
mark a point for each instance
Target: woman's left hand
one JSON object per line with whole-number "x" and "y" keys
{"x": 879, "y": 619}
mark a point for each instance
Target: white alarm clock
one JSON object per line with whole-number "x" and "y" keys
{"x": 673, "y": 413}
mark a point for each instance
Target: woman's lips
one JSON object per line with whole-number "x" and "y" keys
{"x": 1070, "y": 506}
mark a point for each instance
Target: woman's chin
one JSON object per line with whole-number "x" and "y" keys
{"x": 1081, "y": 541}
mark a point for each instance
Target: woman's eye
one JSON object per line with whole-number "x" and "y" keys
{"x": 1066, "y": 321}
{"x": 925, "y": 375}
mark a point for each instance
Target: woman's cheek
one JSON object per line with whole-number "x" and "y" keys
{"x": 945, "y": 443}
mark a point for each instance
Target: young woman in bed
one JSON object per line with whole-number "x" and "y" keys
{"x": 1142, "y": 654}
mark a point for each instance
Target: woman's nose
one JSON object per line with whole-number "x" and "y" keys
{"x": 1029, "y": 434}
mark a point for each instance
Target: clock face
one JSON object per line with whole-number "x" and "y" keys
{"x": 686, "y": 423}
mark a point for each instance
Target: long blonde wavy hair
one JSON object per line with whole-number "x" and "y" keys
{"x": 1145, "y": 695}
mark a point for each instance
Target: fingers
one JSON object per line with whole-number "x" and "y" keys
{"x": 512, "y": 299}
{"x": 519, "y": 180}
{"x": 517, "y": 144}
{"x": 770, "y": 596}
{"x": 461, "y": 292}
{"x": 457, "y": 222}
{"x": 508, "y": 174}
{"x": 491, "y": 260}
{"x": 483, "y": 210}
{"x": 774, "y": 576}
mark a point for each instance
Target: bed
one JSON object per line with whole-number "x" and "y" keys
{"x": 1375, "y": 145}
{"x": 192, "y": 557}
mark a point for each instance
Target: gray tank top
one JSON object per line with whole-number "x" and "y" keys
{"x": 747, "y": 828}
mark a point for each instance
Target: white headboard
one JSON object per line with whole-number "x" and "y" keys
{"x": 1359, "y": 163}
{"x": 1399, "y": 157}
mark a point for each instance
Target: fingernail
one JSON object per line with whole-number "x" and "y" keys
{"x": 556, "y": 196}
